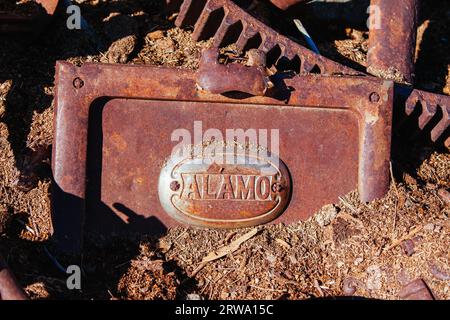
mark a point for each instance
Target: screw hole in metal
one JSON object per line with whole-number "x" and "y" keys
{"x": 374, "y": 97}
{"x": 78, "y": 83}
{"x": 174, "y": 186}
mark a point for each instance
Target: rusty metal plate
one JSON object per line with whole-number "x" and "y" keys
{"x": 116, "y": 129}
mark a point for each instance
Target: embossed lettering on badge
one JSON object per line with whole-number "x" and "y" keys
{"x": 226, "y": 190}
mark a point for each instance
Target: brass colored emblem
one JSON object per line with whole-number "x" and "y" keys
{"x": 200, "y": 191}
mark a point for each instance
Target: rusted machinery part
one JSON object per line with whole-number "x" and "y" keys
{"x": 218, "y": 78}
{"x": 431, "y": 105}
{"x": 227, "y": 23}
{"x": 392, "y": 39}
{"x": 324, "y": 111}
{"x": 285, "y": 4}
{"x": 17, "y": 23}
{"x": 422, "y": 115}
{"x": 9, "y": 288}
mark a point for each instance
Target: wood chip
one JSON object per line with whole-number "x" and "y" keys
{"x": 318, "y": 288}
{"x": 411, "y": 234}
{"x": 283, "y": 243}
{"x": 233, "y": 246}
{"x": 229, "y": 236}
{"x": 444, "y": 195}
{"x": 225, "y": 250}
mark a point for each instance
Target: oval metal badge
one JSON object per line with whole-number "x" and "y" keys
{"x": 225, "y": 190}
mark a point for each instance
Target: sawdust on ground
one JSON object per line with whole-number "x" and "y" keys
{"x": 348, "y": 248}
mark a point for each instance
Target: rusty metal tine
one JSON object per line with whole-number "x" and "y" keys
{"x": 247, "y": 33}
{"x": 434, "y": 108}
{"x": 441, "y": 127}
{"x": 226, "y": 24}
{"x": 430, "y": 102}
{"x": 201, "y": 26}
{"x": 183, "y": 17}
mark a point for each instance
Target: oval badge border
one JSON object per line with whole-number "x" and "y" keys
{"x": 165, "y": 195}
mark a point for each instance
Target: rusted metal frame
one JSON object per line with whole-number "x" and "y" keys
{"x": 78, "y": 89}
{"x": 9, "y": 288}
{"x": 276, "y": 46}
{"x": 16, "y": 23}
{"x": 392, "y": 38}
{"x": 375, "y": 125}
{"x": 146, "y": 84}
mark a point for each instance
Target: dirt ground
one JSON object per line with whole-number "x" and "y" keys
{"x": 348, "y": 248}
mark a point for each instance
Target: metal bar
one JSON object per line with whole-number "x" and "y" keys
{"x": 217, "y": 78}
{"x": 392, "y": 39}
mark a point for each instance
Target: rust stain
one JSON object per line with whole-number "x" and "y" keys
{"x": 118, "y": 141}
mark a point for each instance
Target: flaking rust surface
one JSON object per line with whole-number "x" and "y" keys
{"x": 344, "y": 246}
